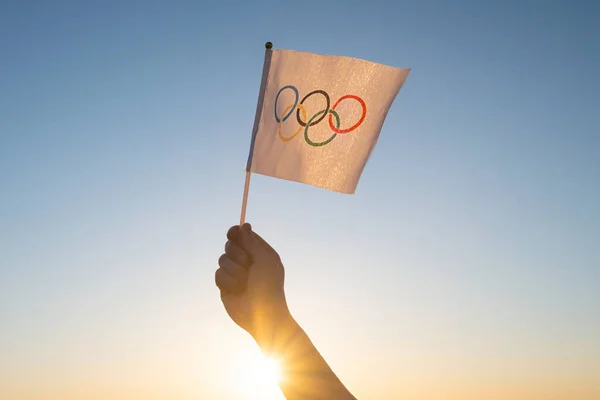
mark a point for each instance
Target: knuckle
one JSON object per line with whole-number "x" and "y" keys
{"x": 223, "y": 260}
{"x": 222, "y": 280}
{"x": 241, "y": 273}
{"x": 233, "y": 231}
{"x": 235, "y": 253}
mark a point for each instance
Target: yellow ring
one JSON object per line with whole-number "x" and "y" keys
{"x": 285, "y": 139}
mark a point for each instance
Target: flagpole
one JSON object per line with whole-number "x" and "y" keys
{"x": 245, "y": 199}
{"x": 259, "y": 106}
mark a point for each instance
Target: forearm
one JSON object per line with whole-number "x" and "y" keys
{"x": 251, "y": 280}
{"x": 305, "y": 374}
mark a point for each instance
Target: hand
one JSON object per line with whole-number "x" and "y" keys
{"x": 250, "y": 278}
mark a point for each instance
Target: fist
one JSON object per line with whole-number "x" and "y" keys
{"x": 250, "y": 278}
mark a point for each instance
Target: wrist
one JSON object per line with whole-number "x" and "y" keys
{"x": 275, "y": 331}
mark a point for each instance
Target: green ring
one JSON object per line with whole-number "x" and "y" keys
{"x": 317, "y": 144}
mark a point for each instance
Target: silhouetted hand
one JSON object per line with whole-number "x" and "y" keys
{"x": 250, "y": 278}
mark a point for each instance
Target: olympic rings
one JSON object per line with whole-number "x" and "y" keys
{"x": 299, "y": 108}
{"x": 292, "y": 108}
{"x": 324, "y": 112}
{"x": 324, "y": 93}
{"x": 360, "y": 121}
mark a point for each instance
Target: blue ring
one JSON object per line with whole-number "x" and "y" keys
{"x": 291, "y": 109}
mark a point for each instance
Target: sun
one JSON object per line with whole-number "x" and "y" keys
{"x": 260, "y": 376}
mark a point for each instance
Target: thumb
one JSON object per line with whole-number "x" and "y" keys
{"x": 254, "y": 245}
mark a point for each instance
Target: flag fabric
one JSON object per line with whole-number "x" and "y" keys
{"x": 319, "y": 117}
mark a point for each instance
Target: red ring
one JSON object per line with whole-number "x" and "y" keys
{"x": 360, "y": 121}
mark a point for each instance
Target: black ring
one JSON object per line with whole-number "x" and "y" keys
{"x": 324, "y": 93}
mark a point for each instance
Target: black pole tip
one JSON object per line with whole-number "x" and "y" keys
{"x": 268, "y": 45}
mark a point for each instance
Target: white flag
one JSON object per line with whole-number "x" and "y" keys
{"x": 319, "y": 117}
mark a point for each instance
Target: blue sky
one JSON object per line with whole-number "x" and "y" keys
{"x": 468, "y": 256}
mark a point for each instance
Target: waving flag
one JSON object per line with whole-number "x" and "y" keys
{"x": 319, "y": 117}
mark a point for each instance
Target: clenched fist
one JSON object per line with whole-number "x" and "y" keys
{"x": 250, "y": 278}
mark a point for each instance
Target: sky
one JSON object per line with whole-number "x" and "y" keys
{"x": 466, "y": 266}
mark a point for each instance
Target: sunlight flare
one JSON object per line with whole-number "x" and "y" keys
{"x": 260, "y": 376}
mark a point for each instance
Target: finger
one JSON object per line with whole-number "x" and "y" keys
{"x": 252, "y": 243}
{"x": 234, "y": 269}
{"x": 233, "y": 232}
{"x": 226, "y": 282}
{"x": 237, "y": 254}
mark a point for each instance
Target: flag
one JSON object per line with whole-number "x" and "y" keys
{"x": 319, "y": 117}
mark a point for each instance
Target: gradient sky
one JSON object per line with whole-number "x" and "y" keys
{"x": 466, "y": 266}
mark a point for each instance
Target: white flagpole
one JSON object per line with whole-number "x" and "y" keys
{"x": 259, "y": 106}
{"x": 245, "y": 198}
